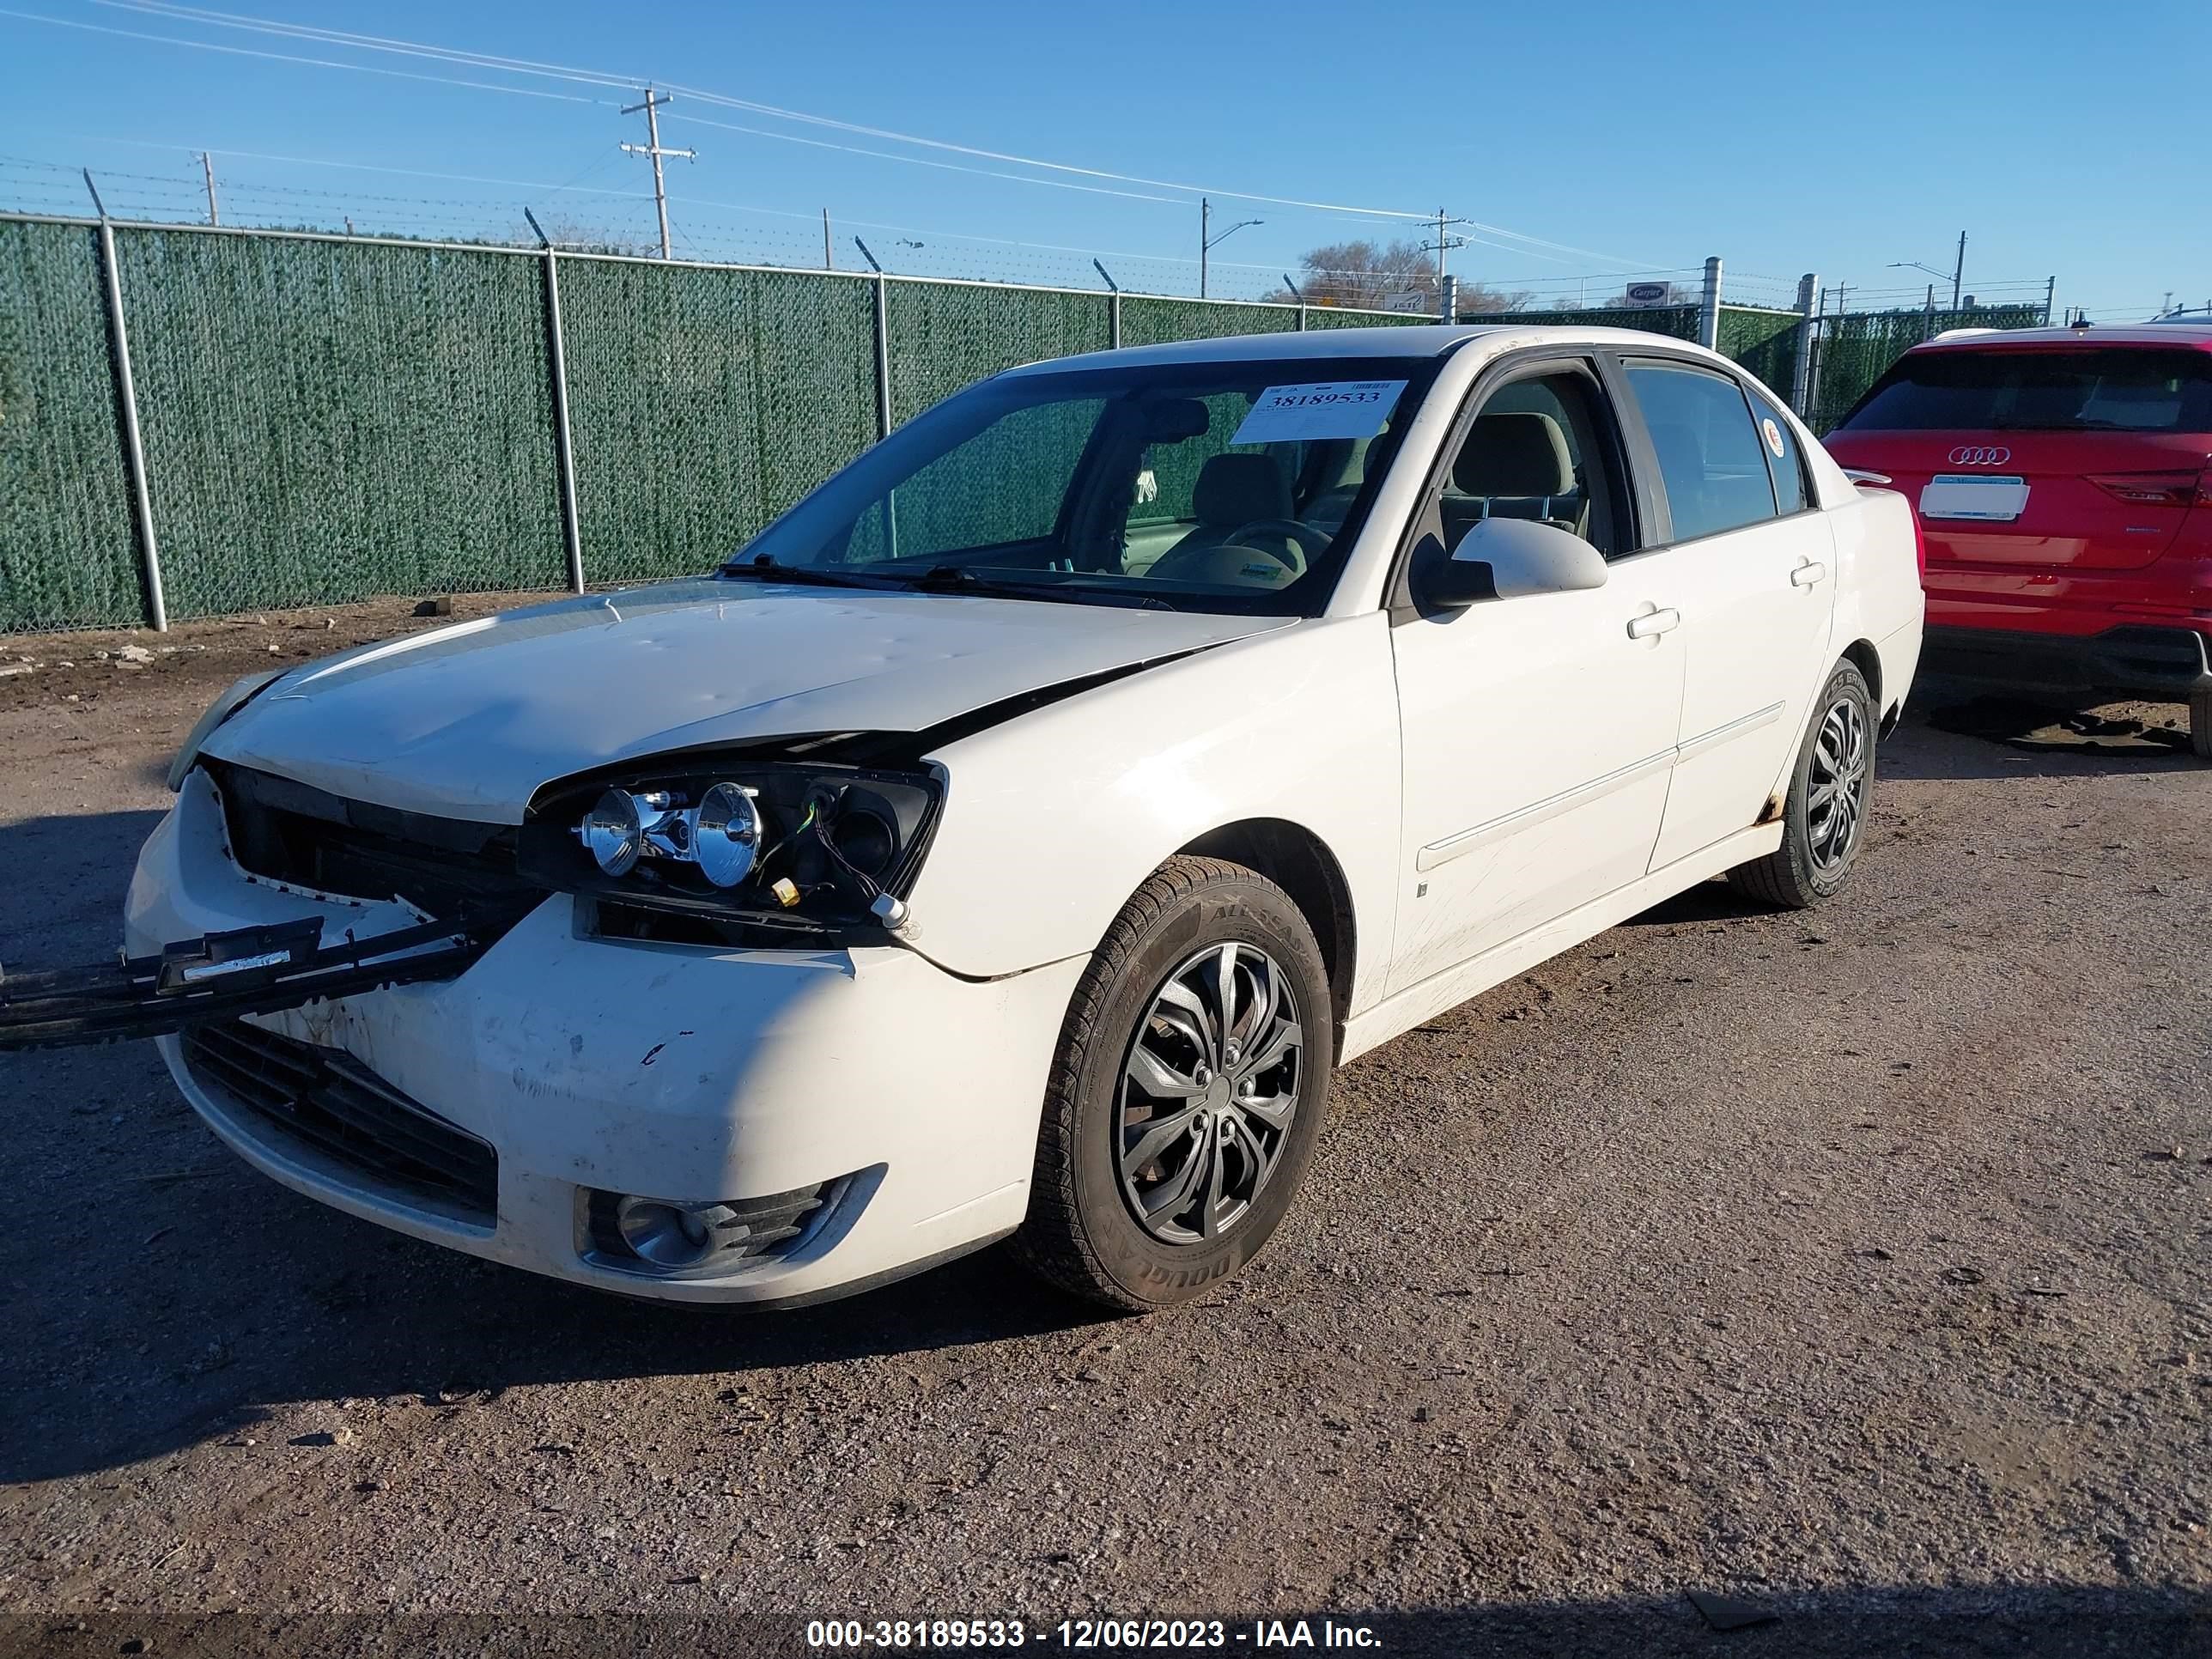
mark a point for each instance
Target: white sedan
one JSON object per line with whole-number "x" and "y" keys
{"x": 1011, "y": 839}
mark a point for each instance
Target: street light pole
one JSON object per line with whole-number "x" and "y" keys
{"x": 1205, "y": 242}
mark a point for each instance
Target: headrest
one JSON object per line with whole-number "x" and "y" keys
{"x": 1234, "y": 489}
{"x": 1521, "y": 452}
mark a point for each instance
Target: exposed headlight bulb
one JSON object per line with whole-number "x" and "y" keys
{"x": 725, "y": 835}
{"x": 613, "y": 832}
{"x": 721, "y": 835}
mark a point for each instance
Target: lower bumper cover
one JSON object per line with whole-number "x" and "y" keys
{"x": 2142, "y": 660}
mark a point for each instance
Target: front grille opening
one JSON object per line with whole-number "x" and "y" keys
{"x": 328, "y": 1103}
{"x": 753, "y": 1229}
{"x": 306, "y": 838}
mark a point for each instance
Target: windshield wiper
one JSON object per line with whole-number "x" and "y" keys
{"x": 767, "y": 568}
{"x": 958, "y": 579}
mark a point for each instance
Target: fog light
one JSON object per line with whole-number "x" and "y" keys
{"x": 669, "y": 1235}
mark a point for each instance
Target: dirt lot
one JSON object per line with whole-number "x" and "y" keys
{"x": 1852, "y": 1265}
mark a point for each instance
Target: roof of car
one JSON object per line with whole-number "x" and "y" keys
{"x": 2168, "y": 335}
{"x": 1325, "y": 343}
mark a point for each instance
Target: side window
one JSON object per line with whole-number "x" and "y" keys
{"x": 1539, "y": 449}
{"x": 1711, "y": 457}
{"x": 1793, "y": 490}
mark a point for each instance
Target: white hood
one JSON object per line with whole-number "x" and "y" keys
{"x": 468, "y": 721}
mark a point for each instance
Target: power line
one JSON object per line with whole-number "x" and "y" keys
{"x": 525, "y": 66}
{"x": 288, "y": 58}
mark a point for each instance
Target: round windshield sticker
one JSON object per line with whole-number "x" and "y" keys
{"x": 1773, "y": 437}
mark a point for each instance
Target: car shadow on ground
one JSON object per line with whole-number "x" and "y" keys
{"x": 161, "y": 1293}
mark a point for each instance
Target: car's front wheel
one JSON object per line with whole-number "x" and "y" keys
{"x": 1824, "y": 814}
{"x": 1187, "y": 1093}
{"x": 2200, "y": 723}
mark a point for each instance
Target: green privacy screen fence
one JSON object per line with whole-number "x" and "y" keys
{"x": 326, "y": 418}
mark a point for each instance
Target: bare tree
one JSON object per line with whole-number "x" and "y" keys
{"x": 1400, "y": 276}
{"x": 1481, "y": 300}
{"x": 1366, "y": 275}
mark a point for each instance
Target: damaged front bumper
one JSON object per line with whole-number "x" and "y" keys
{"x": 502, "y": 1091}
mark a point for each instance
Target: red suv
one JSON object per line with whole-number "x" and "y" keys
{"x": 2065, "y": 505}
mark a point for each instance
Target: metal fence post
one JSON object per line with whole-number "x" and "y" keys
{"x": 882, "y": 356}
{"x": 572, "y": 540}
{"x": 1113, "y": 306}
{"x": 134, "y": 448}
{"x": 1801, "y": 377}
{"x": 1709, "y": 309}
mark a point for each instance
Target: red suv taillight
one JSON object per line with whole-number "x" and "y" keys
{"x": 2157, "y": 488}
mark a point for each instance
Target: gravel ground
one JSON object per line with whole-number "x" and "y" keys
{"x": 1850, "y": 1264}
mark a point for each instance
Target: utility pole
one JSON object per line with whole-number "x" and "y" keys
{"x": 2050, "y": 293}
{"x": 207, "y": 172}
{"x": 1447, "y": 296}
{"x": 1958, "y": 275}
{"x": 828, "y": 263}
{"x": 652, "y": 147}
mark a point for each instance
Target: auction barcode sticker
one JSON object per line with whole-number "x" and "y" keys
{"x": 1326, "y": 409}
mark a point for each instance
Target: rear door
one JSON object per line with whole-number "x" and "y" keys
{"x": 1751, "y": 567}
{"x": 2051, "y": 456}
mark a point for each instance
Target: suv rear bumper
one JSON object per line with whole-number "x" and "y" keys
{"x": 2135, "y": 660}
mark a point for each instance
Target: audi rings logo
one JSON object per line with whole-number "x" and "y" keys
{"x": 1980, "y": 455}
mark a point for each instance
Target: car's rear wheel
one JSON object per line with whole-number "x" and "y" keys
{"x": 2200, "y": 723}
{"x": 1824, "y": 815}
{"x": 1186, "y": 1094}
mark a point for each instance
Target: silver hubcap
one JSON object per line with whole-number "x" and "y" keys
{"x": 1208, "y": 1092}
{"x": 1835, "y": 802}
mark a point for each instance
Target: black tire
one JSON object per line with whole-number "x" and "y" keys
{"x": 2200, "y": 723}
{"x": 1805, "y": 870}
{"x": 1083, "y": 1233}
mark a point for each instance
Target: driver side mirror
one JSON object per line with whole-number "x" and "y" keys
{"x": 1511, "y": 559}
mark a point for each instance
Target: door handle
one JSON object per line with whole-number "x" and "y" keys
{"x": 1806, "y": 575}
{"x": 1654, "y": 623}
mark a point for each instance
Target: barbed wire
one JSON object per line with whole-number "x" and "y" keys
{"x": 716, "y": 231}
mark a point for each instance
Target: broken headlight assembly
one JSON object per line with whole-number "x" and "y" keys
{"x": 692, "y": 851}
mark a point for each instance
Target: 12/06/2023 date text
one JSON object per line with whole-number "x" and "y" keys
{"x": 1085, "y": 1635}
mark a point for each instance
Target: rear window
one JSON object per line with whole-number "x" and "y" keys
{"x": 2092, "y": 390}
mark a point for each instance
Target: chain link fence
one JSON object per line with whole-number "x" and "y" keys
{"x": 1851, "y": 349}
{"x": 326, "y": 418}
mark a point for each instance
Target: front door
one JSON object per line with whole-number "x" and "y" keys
{"x": 1538, "y": 733}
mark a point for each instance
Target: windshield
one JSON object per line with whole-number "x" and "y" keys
{"x": 1221, "y": 486}
{"x": 2137, "y": 389}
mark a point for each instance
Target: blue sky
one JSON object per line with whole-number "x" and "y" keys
{"x": 1785, "y": 139}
